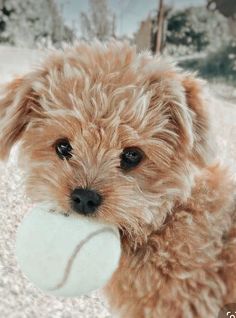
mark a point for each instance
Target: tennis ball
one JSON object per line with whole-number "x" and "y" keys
{"x": 66, "y": 256}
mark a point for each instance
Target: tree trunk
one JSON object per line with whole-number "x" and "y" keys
{"x": 160, "y": 25}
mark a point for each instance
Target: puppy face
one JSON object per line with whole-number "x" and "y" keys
{"x": 107, "y": 133}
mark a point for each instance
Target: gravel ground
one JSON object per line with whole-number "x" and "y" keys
{"x": 18, "y": 297}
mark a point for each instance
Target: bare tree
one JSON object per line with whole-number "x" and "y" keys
{"x": 160, "y": 25}
{"x": 159, "y": 28}
{"x": 99, "y": 22}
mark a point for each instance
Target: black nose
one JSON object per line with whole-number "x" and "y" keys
{"x": 85, "y": 201}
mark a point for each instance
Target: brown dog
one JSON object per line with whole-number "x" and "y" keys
{"x": 124, "y": 138}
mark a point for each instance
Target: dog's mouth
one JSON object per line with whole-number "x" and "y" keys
{"x": 121, "y": 232}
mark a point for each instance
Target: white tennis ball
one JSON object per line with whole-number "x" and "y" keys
{"x": 66, "y": 256}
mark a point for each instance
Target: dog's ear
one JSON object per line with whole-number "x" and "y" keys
{"x": 197, "y": 102}
{"x": 15, "y": 106}
{"x": 181, "y": 99}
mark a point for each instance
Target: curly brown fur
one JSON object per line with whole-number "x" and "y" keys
{"x": 175, "y": 210}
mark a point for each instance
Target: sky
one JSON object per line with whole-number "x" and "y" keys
{"x": 129, "y": 13}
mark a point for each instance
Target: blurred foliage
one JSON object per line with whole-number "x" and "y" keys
{"x": 226, "y": 7}
{"x": 98, "y": 22}
{"x": 194, "y": 30}
{"x": 220, "y": 64}
{"x": 30, "y": 23}
{"x": 181, "y": 31}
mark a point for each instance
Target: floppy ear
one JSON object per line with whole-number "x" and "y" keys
{"x": 181, "y": 100}
{"x": 197, "y": 102}
{"x": 17, "y": 96}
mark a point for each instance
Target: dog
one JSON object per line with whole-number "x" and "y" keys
{"x": 125, "y": 138}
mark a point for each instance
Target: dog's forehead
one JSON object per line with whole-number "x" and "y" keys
{"x": 106, "y": 100}
{"x": 107, "y": 88}
{"x": 98, "y": 75}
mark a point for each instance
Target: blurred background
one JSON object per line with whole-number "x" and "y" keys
{"x": 199, "y": 34}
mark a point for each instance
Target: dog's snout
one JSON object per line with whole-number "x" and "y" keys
{"x": 85, "y": 201}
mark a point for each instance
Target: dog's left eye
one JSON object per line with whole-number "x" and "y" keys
{"x": 63, "y": 149}
{"x": 130, "y": 158}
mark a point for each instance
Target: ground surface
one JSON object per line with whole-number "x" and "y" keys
{"x": 18, "y": 297}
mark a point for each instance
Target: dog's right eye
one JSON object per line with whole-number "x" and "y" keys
{"x": 63, "y": 149}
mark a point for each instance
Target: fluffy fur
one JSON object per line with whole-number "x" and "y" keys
{"x": 175, "y": 211}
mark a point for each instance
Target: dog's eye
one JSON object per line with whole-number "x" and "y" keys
{"x": 63, "y": 149}
{"x": 130, "y": 158}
